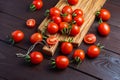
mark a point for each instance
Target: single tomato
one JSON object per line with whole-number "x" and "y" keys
{"x": 35, "y": 37}
{"x": 17, "y": 35}
{"x": 79, "y": 20}
{"x": 90, "y": 38}
{"x": 31, "y": 23}
{"x": 72, "y": 2}
{"x": 77, "y": 12}
{"x": 104, "y": 14}
{"x": 104, "y": 29}
{"x": 67, "y": 17}
{"x": 93, "y": 51}
{"x": 79, "y": 53}
{"x": 62, "y": 62}
{"x": 63, "y": 25}
{"x": 36, "y": 57}
{"x": 66, "y": 48}
{"x": 57, "y": 19}
{"x": 67, "y": 9}
{"x": 74, "y": 30}
{"x": 52, "y": 40}
{"x": 54, "y": 11}
{"x": 52, "y": 28}
{"x": 36, "y": 4}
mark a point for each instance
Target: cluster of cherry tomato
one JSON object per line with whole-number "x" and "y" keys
{"x": 66, "y": 21}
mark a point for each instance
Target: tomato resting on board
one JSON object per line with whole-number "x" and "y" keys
{"x": 35, "y": 37}
{"x": 52, "y": 40}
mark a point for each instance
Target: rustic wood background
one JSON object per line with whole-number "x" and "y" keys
{"x": 13, "y": 15}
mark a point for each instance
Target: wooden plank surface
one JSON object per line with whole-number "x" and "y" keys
{"x": 13, "y": 68}
{"x": 105, "y": 67}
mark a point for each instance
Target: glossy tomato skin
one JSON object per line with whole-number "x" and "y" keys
{"x": 79, "y": 53}
{"x": 93, "y": 51}
{"x": 52, "y": 40}
{"x": 67, "y": 9}
{"x": 104, "y": 29}
{"x": 104, "y": 14}
{"x": 72, "y": 2}
{"x": 57, "y": 19}
{"x": 67, "y": 18}
{"x": 31, "y": 23}
{"x": 35, "y": 37}
{"x": 52, "y": 28}
{"x": 90, "y": 38}
{"x": 17, "y": 35}
{"x": 74, "y": 30}
{"x": 78, "y": 12}
{"x": 38, "y": 4}
{"x": 63, "y": 25}
{"x": 79, "y": 20}
{"x": 54, "y": 12}
{"x": 66, "y": 48}
{"x": 62, "y": 62}
{"x": 36, "y": 57}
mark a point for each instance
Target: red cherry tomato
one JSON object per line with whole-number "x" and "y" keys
{"x": 62, "y": 62}
{"x": 17, "y": 35}
{"x": 54, "y": 12}
{"x": 93, "y": 51}
{"x": 77, "y": 12}
{"x": 79, "y": 20}
{"x": 74, "y": 30}
{"x": 67, "y": 18}
{"x": 104, "y": 14}
{"x": 63, "y": 25}
{"x": 104, "y": 29}
{"x": 66, "y": 48}
{"x": 36, "y": 57}
{"x": 72, "y": 2}
{"x": 52, "y": 40}
{"x": 57, "y": 19}
{"x": 90, "y": 39}
{"x": 35, "y": 38}
{"x": 36, "y": 4}
{"x": 31, "y": 23}
{"x": 52, "y": 28}
{"x": 67, "y": 10}
{"x": 79, "y": 53}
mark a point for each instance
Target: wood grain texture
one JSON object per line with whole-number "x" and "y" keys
{"x": 105, "y": 67}
{"x": 89, "y": 8}
{"x": 114, "y": 10}
{"x": 13, "y": 68}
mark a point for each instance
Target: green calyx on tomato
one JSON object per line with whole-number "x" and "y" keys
{"x": 66, "y": 31}
{"x": 16, "y": 36}
{"x": 36, "y": 5}
{"x": 32, "y": 7}
{"x": 60, "y": 62}
{"x": 93, "y": 51}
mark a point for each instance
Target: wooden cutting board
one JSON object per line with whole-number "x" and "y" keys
{"x": 89, "y": 8}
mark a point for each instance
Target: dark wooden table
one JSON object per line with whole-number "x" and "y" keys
{"x": 13, "y": 15}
